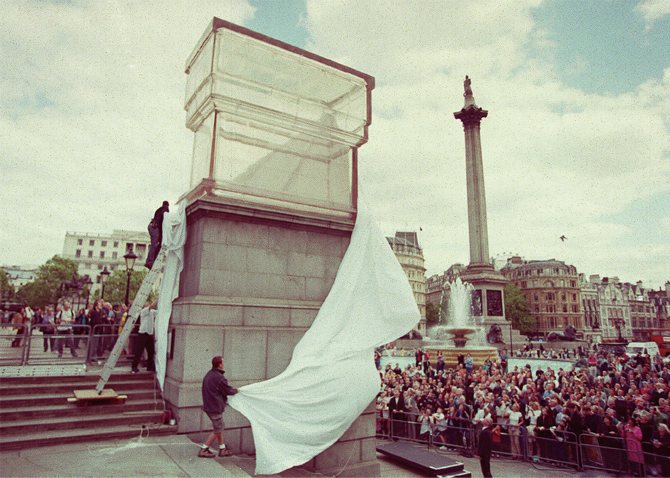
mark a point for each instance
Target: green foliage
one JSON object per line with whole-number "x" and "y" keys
{"x": 432, "y": 315}
{"x": 115, "y": 289}
{"x": 45, "y": 289}
{"x": 6, "y": 289}
{"x": 517, "y": 310}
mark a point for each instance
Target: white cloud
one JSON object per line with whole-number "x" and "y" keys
{"x": 652, "y": 11}
{"x": 92, "y": 115}
{"x": 557, "y": 161}
{"x": 93, "y": 127}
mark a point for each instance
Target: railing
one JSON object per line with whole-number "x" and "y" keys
{"x": 552, "y": 447}
{"x": 42, "y": 344}
{"x": 439, "y": 435}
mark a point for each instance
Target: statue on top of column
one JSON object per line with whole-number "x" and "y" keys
{"x": 466, "y": 86}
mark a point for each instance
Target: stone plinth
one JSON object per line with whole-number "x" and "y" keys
{"x": 252, "y": 284}
{"x": 488, "y": 296}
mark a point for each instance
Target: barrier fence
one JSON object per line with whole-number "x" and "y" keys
{"x": 41, "y": 344}
{"x": 551, "y": 447}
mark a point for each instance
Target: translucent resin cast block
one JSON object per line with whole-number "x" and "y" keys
{"x": 274, "y": 125}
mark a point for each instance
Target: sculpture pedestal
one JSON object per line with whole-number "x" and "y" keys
{"x": 252, "y": 284}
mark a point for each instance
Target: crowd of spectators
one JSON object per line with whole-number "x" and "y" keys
{"x": 62, "y": 327}
{"x": 616, "y": 407}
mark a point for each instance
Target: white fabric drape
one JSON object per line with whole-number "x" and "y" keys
{"x": 174, "y": 238}
{"x": 331, "y": 378}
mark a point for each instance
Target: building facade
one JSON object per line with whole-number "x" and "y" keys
{"x": 437, "y": 285}
{"x": 590, "y": 305}
{"x": 405, "y": 246}
{"x": 19, "y": 276}
{"x": 642, "y": 314}
{"x": 93, "y": 252}
{"x": 660, "y": 300}
{"x": 552, "y": 290}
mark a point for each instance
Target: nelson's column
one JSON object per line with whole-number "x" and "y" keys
{"x": 487, "y": 282}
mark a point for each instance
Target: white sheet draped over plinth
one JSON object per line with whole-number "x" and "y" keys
{"x": 331, "y": 378}
{"x": 174, "y": 238}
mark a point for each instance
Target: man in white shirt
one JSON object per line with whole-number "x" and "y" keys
{"x": 145, "y": 338}
{"x": 64, "y": 320}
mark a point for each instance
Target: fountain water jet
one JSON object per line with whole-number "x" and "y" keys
{"x": 456, "y": 326}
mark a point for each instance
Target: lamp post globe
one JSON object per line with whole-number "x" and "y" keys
{"x": 130, "y": 263}
{"x": 104, "y": 277}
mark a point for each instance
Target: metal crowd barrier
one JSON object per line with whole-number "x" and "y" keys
{"x": 561, "y": 448}
{"x": 604, "y": 453}
{"x": 41, "y": 344}
{"x": 438, "y": 436}
{"x": 13, "y": 338}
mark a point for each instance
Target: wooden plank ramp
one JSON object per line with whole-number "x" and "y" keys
{"x": 87, "y": 397}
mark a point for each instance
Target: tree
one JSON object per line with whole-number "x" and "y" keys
{"x": 517, "y": 310}
{"x": 6, "y": 289}
{"x": 115, "y": 289}
{"x": 46, "y": 288}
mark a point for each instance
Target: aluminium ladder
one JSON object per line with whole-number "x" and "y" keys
{"x": 131, "y": 318}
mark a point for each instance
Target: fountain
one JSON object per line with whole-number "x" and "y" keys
{"x": 458, "y": 324}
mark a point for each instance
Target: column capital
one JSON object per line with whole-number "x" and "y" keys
{"x": 471, "y": 115}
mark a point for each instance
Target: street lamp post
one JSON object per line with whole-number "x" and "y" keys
{"x": 104, "y": 277}
{"x": 87, "y": 287}
{"x": 130, "y": 263}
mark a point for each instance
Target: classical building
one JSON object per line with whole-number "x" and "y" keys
{"x": 19, "y": 276}
{"x": 437, "y": 285}
{"x": 93, "y": 252}
{"x": 405, "y": 246}
{"x": 614, "y": 310}
{"x": 552, "y": 290}
{"x": 660, "y": 300}
{"x": 589, "y": 289}
{"x": 642, "y": 313}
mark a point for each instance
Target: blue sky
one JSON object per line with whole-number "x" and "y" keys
{"x": 577, "y": 141}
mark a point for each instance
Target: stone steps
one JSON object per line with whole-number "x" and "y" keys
{"x": 35, "y": 411}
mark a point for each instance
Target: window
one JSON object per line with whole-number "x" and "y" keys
{"x": 565, "y": 308}
{"x": 103, "y": 243}
{"x": 563, "y": 297}
{"x": 634, "y": 321}
{"x": 549, "y": 296}
{"x": 115, "y": 255}
{"x": 102, "y": 254}
{"x": 523, "y": 284}
{"x": 98, "y": 279}
{"x": 91, "y": 242}
{"x": 534, "y": 283}
{"x": 537, "y": 308}
{"x": 90, "y": 253}
{"x": 572, "y": 283}
{"x": 80, "y": 242}
{"x": 116, "y": 243}
{"x": 78, "y": 253}
{"x": 574, "y": 297}
{"x": 99, "y": 267}
{"x": 537, "y": 297}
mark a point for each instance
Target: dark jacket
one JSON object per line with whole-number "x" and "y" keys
{"x": 215, "y": 391}
{"x": 485, "y": 441}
